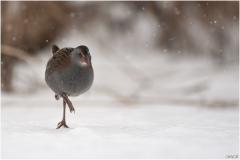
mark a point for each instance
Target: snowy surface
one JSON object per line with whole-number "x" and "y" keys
{"x": 116, "y": 131}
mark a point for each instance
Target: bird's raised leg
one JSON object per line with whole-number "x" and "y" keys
{"x": 63, "y": 122}
{"x": 57, "y": 97}
{"x": 69, "y": 103}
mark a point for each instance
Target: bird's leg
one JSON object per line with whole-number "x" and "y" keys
{"x": 69, "y": 103}
{"x": 63, "y": 122}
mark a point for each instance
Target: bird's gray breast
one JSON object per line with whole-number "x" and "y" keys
{"x": 73, "y": 80}
{"x": 77, "y": 80}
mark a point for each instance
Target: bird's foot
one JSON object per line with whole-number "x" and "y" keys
{"x": 62, "y": 123}
{"x": 71, "y": 108}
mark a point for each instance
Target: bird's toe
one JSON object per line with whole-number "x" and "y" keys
{"x": 72, "y": 110}
{"x": 62, "y": 123}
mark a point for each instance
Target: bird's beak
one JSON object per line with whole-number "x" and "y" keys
{"x": 88, "y": 61}
{"x": 85, "y": 61}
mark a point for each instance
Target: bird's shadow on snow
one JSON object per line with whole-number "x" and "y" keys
{"x": 47, "y": 129}
{"x": 50, "y": 129}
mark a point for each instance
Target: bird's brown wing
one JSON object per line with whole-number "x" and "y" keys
{"x": 60, "y": 60}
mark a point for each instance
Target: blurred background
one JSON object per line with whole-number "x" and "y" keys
{"x": 139, "y": 42}
{"x": 143, "y": 54}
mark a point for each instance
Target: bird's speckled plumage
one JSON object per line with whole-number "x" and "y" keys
{"x": 69, "y": 72}
{"x": 59, "y": 60}
{"x": 62, "y": 76}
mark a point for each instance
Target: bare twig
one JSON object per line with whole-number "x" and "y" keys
{"x": 17, "y": 53}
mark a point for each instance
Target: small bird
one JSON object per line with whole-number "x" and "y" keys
{"x": 69, "y": 72}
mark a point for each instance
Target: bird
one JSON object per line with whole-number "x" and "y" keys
{"x": 69, "y": 72}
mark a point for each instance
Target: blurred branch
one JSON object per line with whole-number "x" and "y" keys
{"x": 16, "y": 53}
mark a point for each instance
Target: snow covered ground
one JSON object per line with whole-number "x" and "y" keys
{"x": 116, "y": 131}
{"x": 142, "y": 105}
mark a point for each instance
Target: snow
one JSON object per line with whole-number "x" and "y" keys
{"x": 143, "y": 104}
{"x": 116, "y": 130}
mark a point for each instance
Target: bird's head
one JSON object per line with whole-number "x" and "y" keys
{"x": 81, "y": 56}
